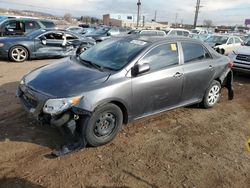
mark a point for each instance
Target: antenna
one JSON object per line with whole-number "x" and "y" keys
{"x": 138, "y": 12}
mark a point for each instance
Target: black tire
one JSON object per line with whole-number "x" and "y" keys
{"x": 92, "y": 127}
{"x": 212, "y": 95}
{"x": 18, "y": 54}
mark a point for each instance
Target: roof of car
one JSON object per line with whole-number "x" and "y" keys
{"x": 27, "y": 18}
{"x": 156, "y": 39}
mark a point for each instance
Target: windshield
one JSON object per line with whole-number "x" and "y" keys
{"x": 247, "y": 43}
{"x": 101, "y": 31}
{"x": 217, "y": 39}
{"x": 113, "y": 54}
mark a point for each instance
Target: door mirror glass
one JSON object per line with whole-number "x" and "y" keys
{"x": 139, "y": 69}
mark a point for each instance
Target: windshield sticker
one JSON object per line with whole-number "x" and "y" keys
{"x": 173, "y": 47}
{"x": 138, "y": 42}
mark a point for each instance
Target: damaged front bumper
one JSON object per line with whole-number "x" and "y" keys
{"x": 33, "y": 102}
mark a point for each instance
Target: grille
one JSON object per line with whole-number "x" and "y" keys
{"x": 29, "y": 100}
{"x": 243, "y": 57}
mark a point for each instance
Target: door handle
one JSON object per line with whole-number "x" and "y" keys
{"x": 178, "y": 74}
{"x": 211, "y": 67}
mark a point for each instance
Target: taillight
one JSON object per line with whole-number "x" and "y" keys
{"x": 231, "y": 64}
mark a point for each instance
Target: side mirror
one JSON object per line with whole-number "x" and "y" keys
{"x": 139, "y": 69}
{"x": 108, "y": 34}
{"x": 43, "y": 40}
{"x": 243, "y": 44}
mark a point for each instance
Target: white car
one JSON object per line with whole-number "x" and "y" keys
{"x": 178, "y": 32}
{"x": 224, "y": 44}
{"x": 241, "y": 57}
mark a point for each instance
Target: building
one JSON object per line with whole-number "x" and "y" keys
{"x": 130, "y": 20}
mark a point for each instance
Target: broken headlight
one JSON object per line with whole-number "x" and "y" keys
{"x": 57, "y": 106}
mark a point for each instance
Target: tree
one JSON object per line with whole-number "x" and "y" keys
{"x": 68, "y": 17}
{"x": 208, "y": 23}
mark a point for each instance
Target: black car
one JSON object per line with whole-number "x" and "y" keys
{"x": 42, "y": 44}
{"x": 20, "y": 26}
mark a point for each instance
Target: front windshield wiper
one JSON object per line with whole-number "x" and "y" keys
{"x": 100, "y": 68}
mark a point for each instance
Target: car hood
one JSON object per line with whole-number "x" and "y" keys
{"x": 244, "y": 50}
{"x": 65, "y": 78}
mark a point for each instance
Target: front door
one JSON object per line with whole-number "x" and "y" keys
{"x": 161, "y": 87}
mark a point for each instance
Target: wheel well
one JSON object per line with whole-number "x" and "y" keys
{"x": 124, "y": 110}
{"x": 23, "y": 47}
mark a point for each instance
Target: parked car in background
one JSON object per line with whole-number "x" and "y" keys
{"x": 224, "y": 44}
{"x": 148, "y": 32}
{"x": 43, "y": 43}
{"x": 123, "y": 79}
{"x": 241, "y": 57}
{"x": 89, "y": 30}
{"x": 75, "y": 29}
{"x": 200, "y": 31}
{"x": 20, "y": 26}
{"x": 100, "y": 34}
{"x": 201, "y": 37}
{"x": 177, "y": 32}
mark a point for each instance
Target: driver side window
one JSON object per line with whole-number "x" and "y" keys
{"x": 161, "y": 56}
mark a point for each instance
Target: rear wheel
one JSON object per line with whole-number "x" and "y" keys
{"x": 103, "y": 125}
{"x": 18, "y": 54}
{"x": 212, "y": 95}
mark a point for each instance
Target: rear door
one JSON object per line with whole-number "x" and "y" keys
{"x": 198, "y": 71}
{"x": 161, "y": 87}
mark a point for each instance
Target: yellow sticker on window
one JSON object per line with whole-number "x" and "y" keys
{"x": 173, "y": 47}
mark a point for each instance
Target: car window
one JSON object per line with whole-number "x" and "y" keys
{"x": 70, "y": 36}
{"x": 185, "y": 33}
{"x": 237, "y": 40}
{"x": 194, "y": 52}
{"x": 31, "y": 25}
{"x": 148, "y": 32}
{"x": 230, "y": 41}
{"x": 173, "y": 32}
{"x": 48, "y": 24}
{"x": 161, "y": 56}
{"x": 54, "y": 36}
{"x": 179, "y": 33}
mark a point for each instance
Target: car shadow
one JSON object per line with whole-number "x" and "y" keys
{"x": 241, "y": 77}
{"x": 18, "y": 182}
{"x": 6, "y": 60}
{"x": 16, "y": 125}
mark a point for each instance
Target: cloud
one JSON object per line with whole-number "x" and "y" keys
{"x": 217, "y": 10}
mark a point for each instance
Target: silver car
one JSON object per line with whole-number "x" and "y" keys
{"x": 241, "y": 57}
{"x": 124, "y": 79}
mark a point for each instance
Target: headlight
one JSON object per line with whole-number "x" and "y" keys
{"x": 57, "y": 106}
{"x": 1, "y": 45}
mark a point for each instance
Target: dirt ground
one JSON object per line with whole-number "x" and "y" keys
{"x": 187, "y": 147}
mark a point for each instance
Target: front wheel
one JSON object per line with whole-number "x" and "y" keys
{"x": 212, "y": 95}
{"x": 103, "y": 125}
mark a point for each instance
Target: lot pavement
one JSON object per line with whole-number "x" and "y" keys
{"x": 187, "y": 147}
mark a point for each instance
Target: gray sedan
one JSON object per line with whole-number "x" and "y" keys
{"x": 124, "y": 79}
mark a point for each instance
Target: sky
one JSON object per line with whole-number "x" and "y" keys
{"x": 226, "y": 12}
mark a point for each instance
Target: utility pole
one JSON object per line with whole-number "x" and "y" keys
{"x": 138, "y": 12}
{"x": 155, "y": 15}
{"x": 176, "y": 16}
{"x": 197, "y": 9}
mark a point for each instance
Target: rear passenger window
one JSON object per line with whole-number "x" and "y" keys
{"x": 31, "y": 25}
{"x": 48, "y": 24}
{"x": 179, "y": 33}
{"x": 194, "y": 52}
{"x": 231, "y": 41}
{"x": 237, "y": 40}
{"x": 162, "y": 56}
